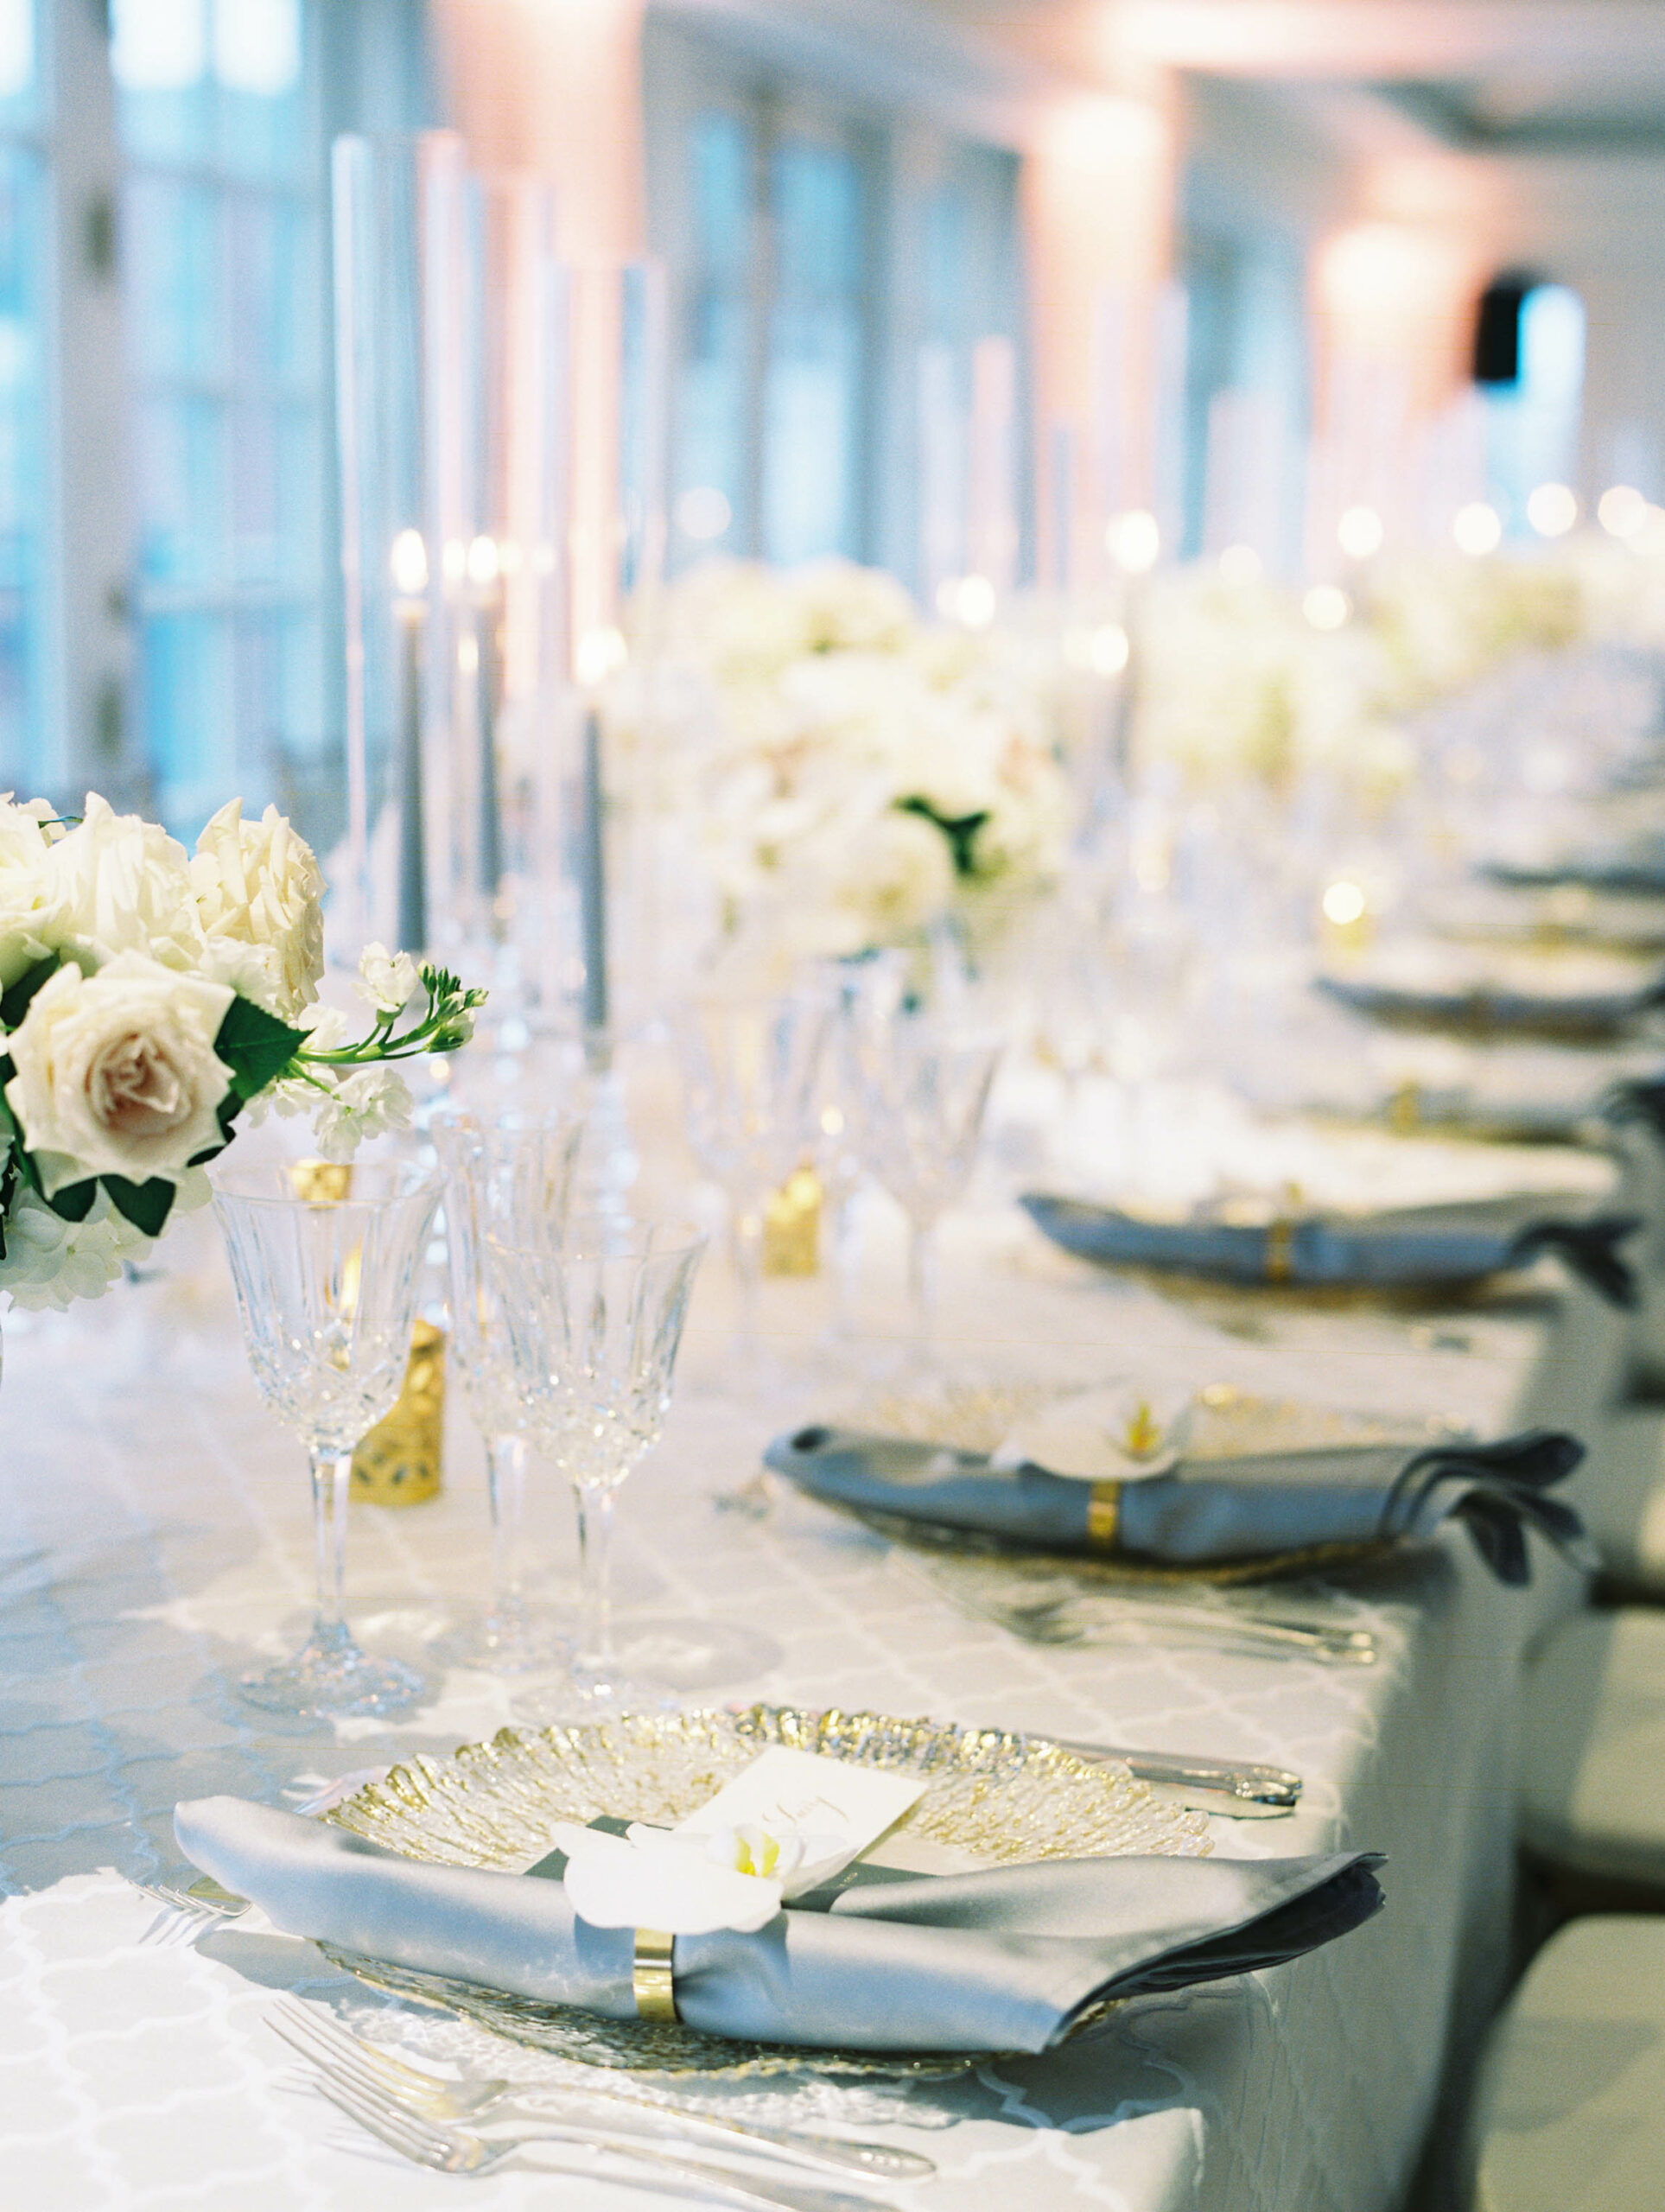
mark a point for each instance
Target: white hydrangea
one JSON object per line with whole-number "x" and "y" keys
{"x": 50, "y": 1264}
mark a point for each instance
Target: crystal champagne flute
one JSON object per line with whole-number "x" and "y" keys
{"x": 749, "y": 1075}
{"x": 587, "y": 1333}
{"x": 326, "y": 1271}
{"x": 509, "y": 1174}
{"x": 928, "y": 1089}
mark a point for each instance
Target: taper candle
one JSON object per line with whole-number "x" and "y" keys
{"x": 409, "y": 565}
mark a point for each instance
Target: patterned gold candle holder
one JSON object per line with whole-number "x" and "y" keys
{"x": 399, "y": 1462}
{"x": 791, "y": 1226}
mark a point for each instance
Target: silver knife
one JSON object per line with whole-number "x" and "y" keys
{"x": 1239, "y": 1790}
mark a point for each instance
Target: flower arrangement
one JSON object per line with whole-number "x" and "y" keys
{"x": 854, "y": 775}
{"x": 149, "y": 1000}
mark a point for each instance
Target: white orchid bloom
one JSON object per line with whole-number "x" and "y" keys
{"x": 651, "y": 1879}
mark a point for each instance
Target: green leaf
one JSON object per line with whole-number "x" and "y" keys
{"x": 145, "y": 1205}
{"x": 255, "y": 1045}
{"x": 74, "y": 1201}
{"x": 14, "y": 1004}
{"x": 960, "y": 831}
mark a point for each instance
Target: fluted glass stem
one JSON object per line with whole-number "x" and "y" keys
{"x": 506, "y": 1482}
{"x": 922, "y": 1284}
{"x": 595, "y": 1654}
{"x": 746, "y": 1241}
{"x": 332, "y": 1472}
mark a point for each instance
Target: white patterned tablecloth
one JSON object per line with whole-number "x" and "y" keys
{"x": 154, "y": 1536}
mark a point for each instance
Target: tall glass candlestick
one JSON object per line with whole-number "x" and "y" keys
{"x": 410, "y": 566}
{"x": 593, "y": 877}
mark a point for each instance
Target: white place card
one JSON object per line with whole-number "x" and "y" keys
{"x": 841, "y": 1809}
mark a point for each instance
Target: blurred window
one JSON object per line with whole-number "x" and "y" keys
{"x": 25, "y": 504}
{"x": 225, "y": 296}
{"x": 169, "y": 622}
{"x": 822, "y": 251}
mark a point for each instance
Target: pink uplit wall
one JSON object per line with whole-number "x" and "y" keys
{"x": 1098, "y": 186}
{"x": 554, "y": 86}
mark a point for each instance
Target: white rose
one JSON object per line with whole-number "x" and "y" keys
{"x": 388, "y": 980}
{"x": 116, "y": 1072}
{"x": 123, "y": 884}
{"x": 258, "y": 889}
{"x": 30, "y": 909}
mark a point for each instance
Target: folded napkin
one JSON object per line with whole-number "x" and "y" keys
{"x": 1003, "y": 1961}
{"x": 1208, "y": 1511}
{"x": 1497, "y": 1005}
{"x": 1639, "y": 874}
{"x": 1405, "y": 1245}
{"x": 1638, "y": 1100}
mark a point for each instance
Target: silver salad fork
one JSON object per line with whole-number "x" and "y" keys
{"x": 452, "y": 2150}
{"x": 349, "y": 2060}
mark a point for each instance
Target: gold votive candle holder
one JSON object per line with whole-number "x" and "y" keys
{"x": 791, "y": 1225}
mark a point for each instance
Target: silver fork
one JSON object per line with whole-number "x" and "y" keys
{"x": 460, "y": 2151}
{"x": 186, "y": 1914}
{"x": 1073, "y": 1617}
{"x": 350, "y": 2061}
{"x": 1086, "y": 1620}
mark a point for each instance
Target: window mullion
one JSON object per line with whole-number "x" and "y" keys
{"x": 89, "y": 554}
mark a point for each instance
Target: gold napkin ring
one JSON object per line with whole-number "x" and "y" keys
{"x": 652, "y": 1981}
{"x": 1104, "y": 1516}
{"x": 1279, "y": 1239}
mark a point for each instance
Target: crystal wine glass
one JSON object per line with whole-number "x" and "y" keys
{"x": 508, "y": 1175}
{"x": 326, "y": 1271}
{"x": 866, "y": 996}
{"x": 928, "y": 1089}
{"x": 749, "y": 1072}
{"x": 587, "y": 1333}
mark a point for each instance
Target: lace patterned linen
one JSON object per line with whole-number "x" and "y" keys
{"x": 153, "y": 1536}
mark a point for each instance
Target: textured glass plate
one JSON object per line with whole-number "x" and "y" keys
{"x": 1006, "y": 1798}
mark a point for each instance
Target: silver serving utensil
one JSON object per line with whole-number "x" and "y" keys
{"x": 460, "y": 2150}
{"x": 348, "y": 2059}
{"x": 1240, "y": 1790}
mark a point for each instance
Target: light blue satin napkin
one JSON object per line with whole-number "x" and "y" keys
{"x": 1003, "y": 1961}
{"x": 1406, "y": 1246}
{"x": 1209, "y": 1512}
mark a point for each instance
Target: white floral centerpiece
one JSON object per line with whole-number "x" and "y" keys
{"x": 854, "y": 775}
{"x": 149, "y": 999}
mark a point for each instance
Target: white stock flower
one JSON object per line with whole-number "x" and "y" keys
{"x": 387, "y": 981}
{"x": 123, "y": 884}
{"x": 30, "y": 907}
{"x": 116, "y": 1072}
{"x": 359, "y": 1103}
{"x": 258, "y": 888}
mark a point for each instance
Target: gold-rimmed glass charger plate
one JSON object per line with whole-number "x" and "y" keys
{"x": 1004, "y": 1798}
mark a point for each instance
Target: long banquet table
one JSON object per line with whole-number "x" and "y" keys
{"x": 154, "y": 1533}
